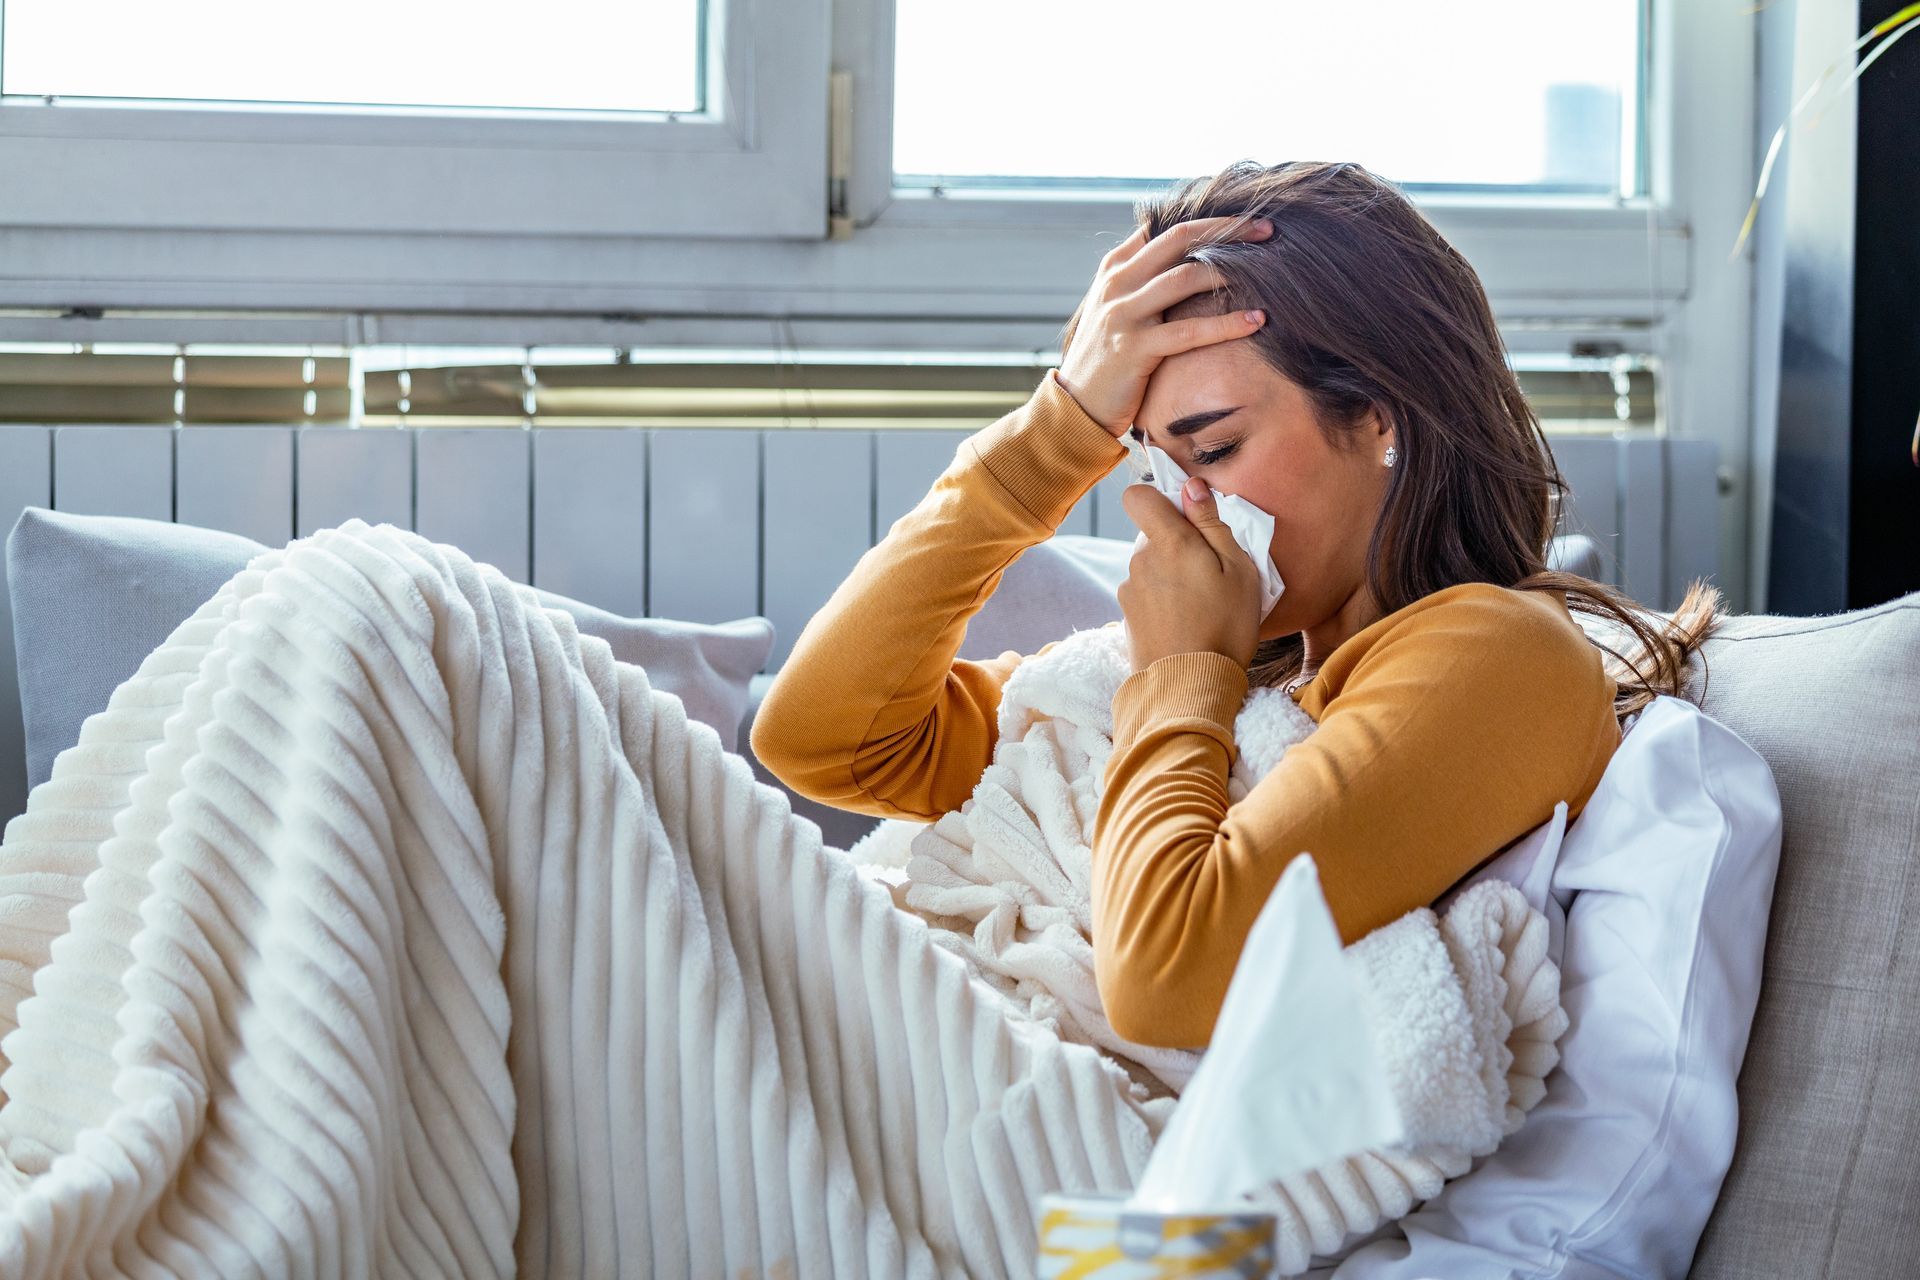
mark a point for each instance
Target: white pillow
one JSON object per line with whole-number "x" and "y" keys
{"x": 1657, "y": 899}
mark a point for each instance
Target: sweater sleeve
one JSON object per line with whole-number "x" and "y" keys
{"x": 872, "y": 711}
{"x": 1457, "y": 730}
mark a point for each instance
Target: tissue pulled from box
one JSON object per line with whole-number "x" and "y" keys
{"x": 1291, "y": 1079}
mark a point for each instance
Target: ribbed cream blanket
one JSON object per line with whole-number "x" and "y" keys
{"x": 383, "y": 924}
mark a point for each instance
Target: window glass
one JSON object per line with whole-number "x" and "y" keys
{"x": 600, "y": 55}
{"x": 1502, "y": 94}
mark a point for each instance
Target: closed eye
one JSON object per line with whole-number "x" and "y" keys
{"x": 1207, "y": 457}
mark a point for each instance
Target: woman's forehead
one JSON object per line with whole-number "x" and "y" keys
{"x": 1204, "y": 380}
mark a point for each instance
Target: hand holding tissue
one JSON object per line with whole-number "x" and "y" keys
{"x": 1252, "y": 528}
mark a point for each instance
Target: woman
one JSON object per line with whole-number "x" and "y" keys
{"x": 1303, "y": 337}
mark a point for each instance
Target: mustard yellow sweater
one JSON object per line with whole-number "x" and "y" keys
{"x": 1444, "y": 731}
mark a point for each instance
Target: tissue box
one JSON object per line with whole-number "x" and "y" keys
{"x": 1095, "y": 1236}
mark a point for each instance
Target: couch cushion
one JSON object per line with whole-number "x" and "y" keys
{"x": 93, "y": 595}
{"x": 1825, "y": 1179}
{"x": 1067, "y": 583}
{"x": 1575, "y": 553}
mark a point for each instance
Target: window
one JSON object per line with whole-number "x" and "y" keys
{"x": 644, "y": 56}
{"x": 1591, "y": 158}
{"x": 697, "y": 118}
{"x": 1501, "y": 94}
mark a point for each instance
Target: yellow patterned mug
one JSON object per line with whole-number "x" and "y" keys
{"x": 1092, "y": 1237}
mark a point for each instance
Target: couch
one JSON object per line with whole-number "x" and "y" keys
{"x": 1825, "y": 1179}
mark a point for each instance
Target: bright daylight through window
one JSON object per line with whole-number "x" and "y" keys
{"x": 1504, "y": 94}
{"x": 582, "y": 55}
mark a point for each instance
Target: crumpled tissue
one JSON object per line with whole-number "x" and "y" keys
{"x": 1291, "y": 1080}
{"x": 1252, "y": 528}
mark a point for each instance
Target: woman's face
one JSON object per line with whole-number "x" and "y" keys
{"x": 1269, "y": 450}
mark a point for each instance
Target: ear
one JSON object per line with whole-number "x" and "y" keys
{"x": 1381, "y": 430}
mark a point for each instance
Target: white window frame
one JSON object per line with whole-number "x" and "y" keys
{"x": 748, "y": 165}
{"x": 971, "y": 271}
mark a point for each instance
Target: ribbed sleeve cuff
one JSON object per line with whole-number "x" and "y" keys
{"x": 1048, "y": 453}
{"x": 1203, "y": 690}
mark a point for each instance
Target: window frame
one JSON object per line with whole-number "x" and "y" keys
{"x": 972, "y": 272}
{"x": 1621, "y": 263}
{"x": 257, "y": 168}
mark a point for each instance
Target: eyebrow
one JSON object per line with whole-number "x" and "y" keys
{"x": 1191, "y": 423}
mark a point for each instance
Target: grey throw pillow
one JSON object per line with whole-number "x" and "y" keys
{"x": 1067, "y": 583}
{"x": 94, "y": 595}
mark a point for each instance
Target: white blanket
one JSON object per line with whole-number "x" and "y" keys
{"x": 383, "y": 924}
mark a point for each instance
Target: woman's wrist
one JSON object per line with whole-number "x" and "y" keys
{"x": 1196, "y": 686}
{"x": 1074, "y": 396}
{"x": 1047, "y": 453}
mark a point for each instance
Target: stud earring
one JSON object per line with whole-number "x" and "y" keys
{"x": 1392, "y": 454}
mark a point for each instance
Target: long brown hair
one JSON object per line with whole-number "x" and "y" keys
{"x": 1368, "y": 306}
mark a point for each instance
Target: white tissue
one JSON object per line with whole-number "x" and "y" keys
{"x": 1252, "y": 528}
{"x": 1291, "y": 1080}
